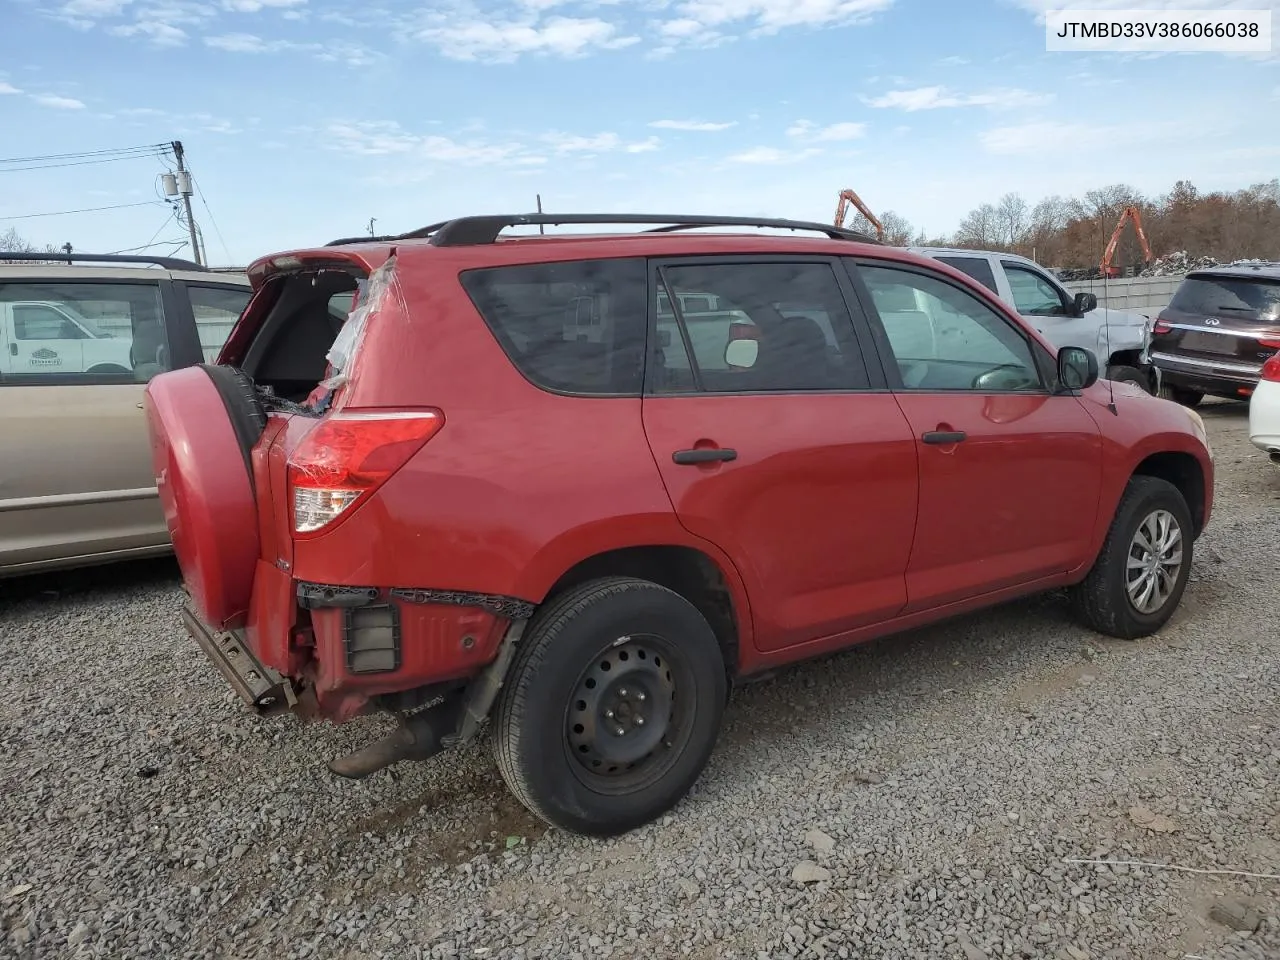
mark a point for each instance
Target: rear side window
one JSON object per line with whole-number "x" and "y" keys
{"x": 575, "y": 327}
{"x": 1241, "y": 297}
{"x": 216, "y": 310}
{"x": 977, "y": 267}
{"x": 76, "y": 332}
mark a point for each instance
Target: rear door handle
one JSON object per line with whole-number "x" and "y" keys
{"x": 704, "y": 455}
{"x": 943, "y": 436}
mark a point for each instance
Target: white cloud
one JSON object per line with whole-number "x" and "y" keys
{"x": 597, "y": 143}
{"x": 773, "y": 155}
{"x": 253, "y": 6}
{"x": 692, "y": 125}
{"x": 157, "y": 32}
{"x": 1044, "y": 137}
{"x": 498, "y": 41}
{"x": 8, "y": 88}
{"x": 245, "y": 43}
{"x": 953, "y": 61}
{"x": 708, "y": 22}
{"x": 933, "y": 98}
{"x": 834, "y": 133}
{"x": 56, "y": 102}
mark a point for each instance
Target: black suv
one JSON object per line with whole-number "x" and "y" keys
{"x": 1220, "y": 327}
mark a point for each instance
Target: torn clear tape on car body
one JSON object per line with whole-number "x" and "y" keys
{"x": 346, "y": 344}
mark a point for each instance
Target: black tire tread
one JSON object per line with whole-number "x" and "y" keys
{"x": 243, "y": 406}
{"x": 539, "y": 635}
{"x": 1092, "y": 600}
{"x": 1123, "y": 373}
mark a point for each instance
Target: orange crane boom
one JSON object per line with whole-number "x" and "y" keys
{"x": 848, "y": 197}
{"x": 1130, "y": 213}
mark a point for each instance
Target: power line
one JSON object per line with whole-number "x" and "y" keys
{"x": 80, "y": 155}
{"x": 63, "y": 213}
{"x": 82, "y": 163}
{"x": 225, "y": 248}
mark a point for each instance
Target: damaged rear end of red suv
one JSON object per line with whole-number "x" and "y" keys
{"x": 264, "y": 479}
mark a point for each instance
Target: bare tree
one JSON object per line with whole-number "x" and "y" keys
{"x": 1011, "y": 212}
{"x": 979, "y": 228}
{"x": 13, "y": 242}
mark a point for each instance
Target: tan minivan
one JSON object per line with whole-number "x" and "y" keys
{"x": 78, "y": 342}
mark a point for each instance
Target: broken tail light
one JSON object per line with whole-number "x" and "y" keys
{"x": 347, "y": 456}
{"x": 1160, "y": 327}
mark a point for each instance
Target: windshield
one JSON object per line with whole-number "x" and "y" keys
{"x": 1238, "y": 296}
{"x": 90, "y": 327}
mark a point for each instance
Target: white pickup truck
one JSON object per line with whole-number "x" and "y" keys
{"x": 1118, "y": 337}
{"x": 43, "y": 337}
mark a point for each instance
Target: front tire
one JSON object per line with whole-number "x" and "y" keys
{"x": 1124, "y": 374}
{"x": 612, "y": 707}
{"x": 1182, "y": 395}
{"x": 1141, "y": 571}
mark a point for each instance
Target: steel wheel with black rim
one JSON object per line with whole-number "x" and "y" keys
{"x": 1141, "y": 571}
{"x": 612, "y": 707}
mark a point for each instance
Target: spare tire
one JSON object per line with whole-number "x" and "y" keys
{"x": 203, "y": 422}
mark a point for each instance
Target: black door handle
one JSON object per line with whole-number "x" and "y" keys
{"x": 943, "y": 436}
{"x": 704, "y": 455}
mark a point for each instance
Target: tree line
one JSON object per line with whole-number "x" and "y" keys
{"x": 1072, "y": 232}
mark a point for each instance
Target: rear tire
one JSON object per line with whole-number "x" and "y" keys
{"x": 614, "y": 654}
{"x": 1182, "y": 395}
{"x": 1114, "y": 598}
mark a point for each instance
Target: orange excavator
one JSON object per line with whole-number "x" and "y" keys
{"x": 848, "y": 197}
{"x": 1130, "y": 213}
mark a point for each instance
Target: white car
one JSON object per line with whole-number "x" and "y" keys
{"x": 38, "y": 336}
{"x": 1118, "y": 337}
{"x": 1264, "y": 410}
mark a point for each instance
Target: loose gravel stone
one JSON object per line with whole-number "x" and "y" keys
{"x": 959, "y": 773}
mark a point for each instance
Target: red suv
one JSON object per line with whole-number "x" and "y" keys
{"x": 575, "y": 487}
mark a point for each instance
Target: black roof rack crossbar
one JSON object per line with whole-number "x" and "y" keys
{"x": 471, "y": 231}
{"x": 343, "y": 241}
{"x": 169, "y": 263}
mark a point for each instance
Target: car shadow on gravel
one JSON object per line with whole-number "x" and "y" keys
{"x": 110, "y": 579}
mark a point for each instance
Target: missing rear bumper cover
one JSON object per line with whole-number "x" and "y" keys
{"x": 509, "y": 608}
{"x": 312, "y": 596}
{"x": 371, "y": 636}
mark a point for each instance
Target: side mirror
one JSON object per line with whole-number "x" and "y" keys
{"x": 741, "y": 353}
{"x": 1084, "y": 303}
{"x": 1077, "y": 368}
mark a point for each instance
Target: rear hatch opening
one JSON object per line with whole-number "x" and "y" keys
{"x": 299, "y": 335}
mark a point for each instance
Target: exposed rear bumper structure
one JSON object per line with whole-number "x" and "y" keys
{"x": 262, "y": 689}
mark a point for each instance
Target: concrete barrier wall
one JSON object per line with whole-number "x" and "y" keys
{"x": 1147, "y": 295}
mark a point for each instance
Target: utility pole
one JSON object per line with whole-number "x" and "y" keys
{"x": 184, "y": 188}
{"x": 372, "y": 221}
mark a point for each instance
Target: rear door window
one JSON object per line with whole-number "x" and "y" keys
{"x": 977, "y": 267}
{"x": 576, "y": 327}
{"x": 81, "y": 332}
{"x": 795, "y": 310}
{"x": 216, "y": 311}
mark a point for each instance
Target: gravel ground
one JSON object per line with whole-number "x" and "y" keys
{"x": 927, "y": 792}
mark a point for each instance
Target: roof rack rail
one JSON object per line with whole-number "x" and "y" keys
{"x": 343, "y": 241}
{"x": 169, "y": 263}
{"x": 471, "y": 231}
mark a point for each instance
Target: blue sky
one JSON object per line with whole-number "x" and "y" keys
{"x": 302, "y": 119}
